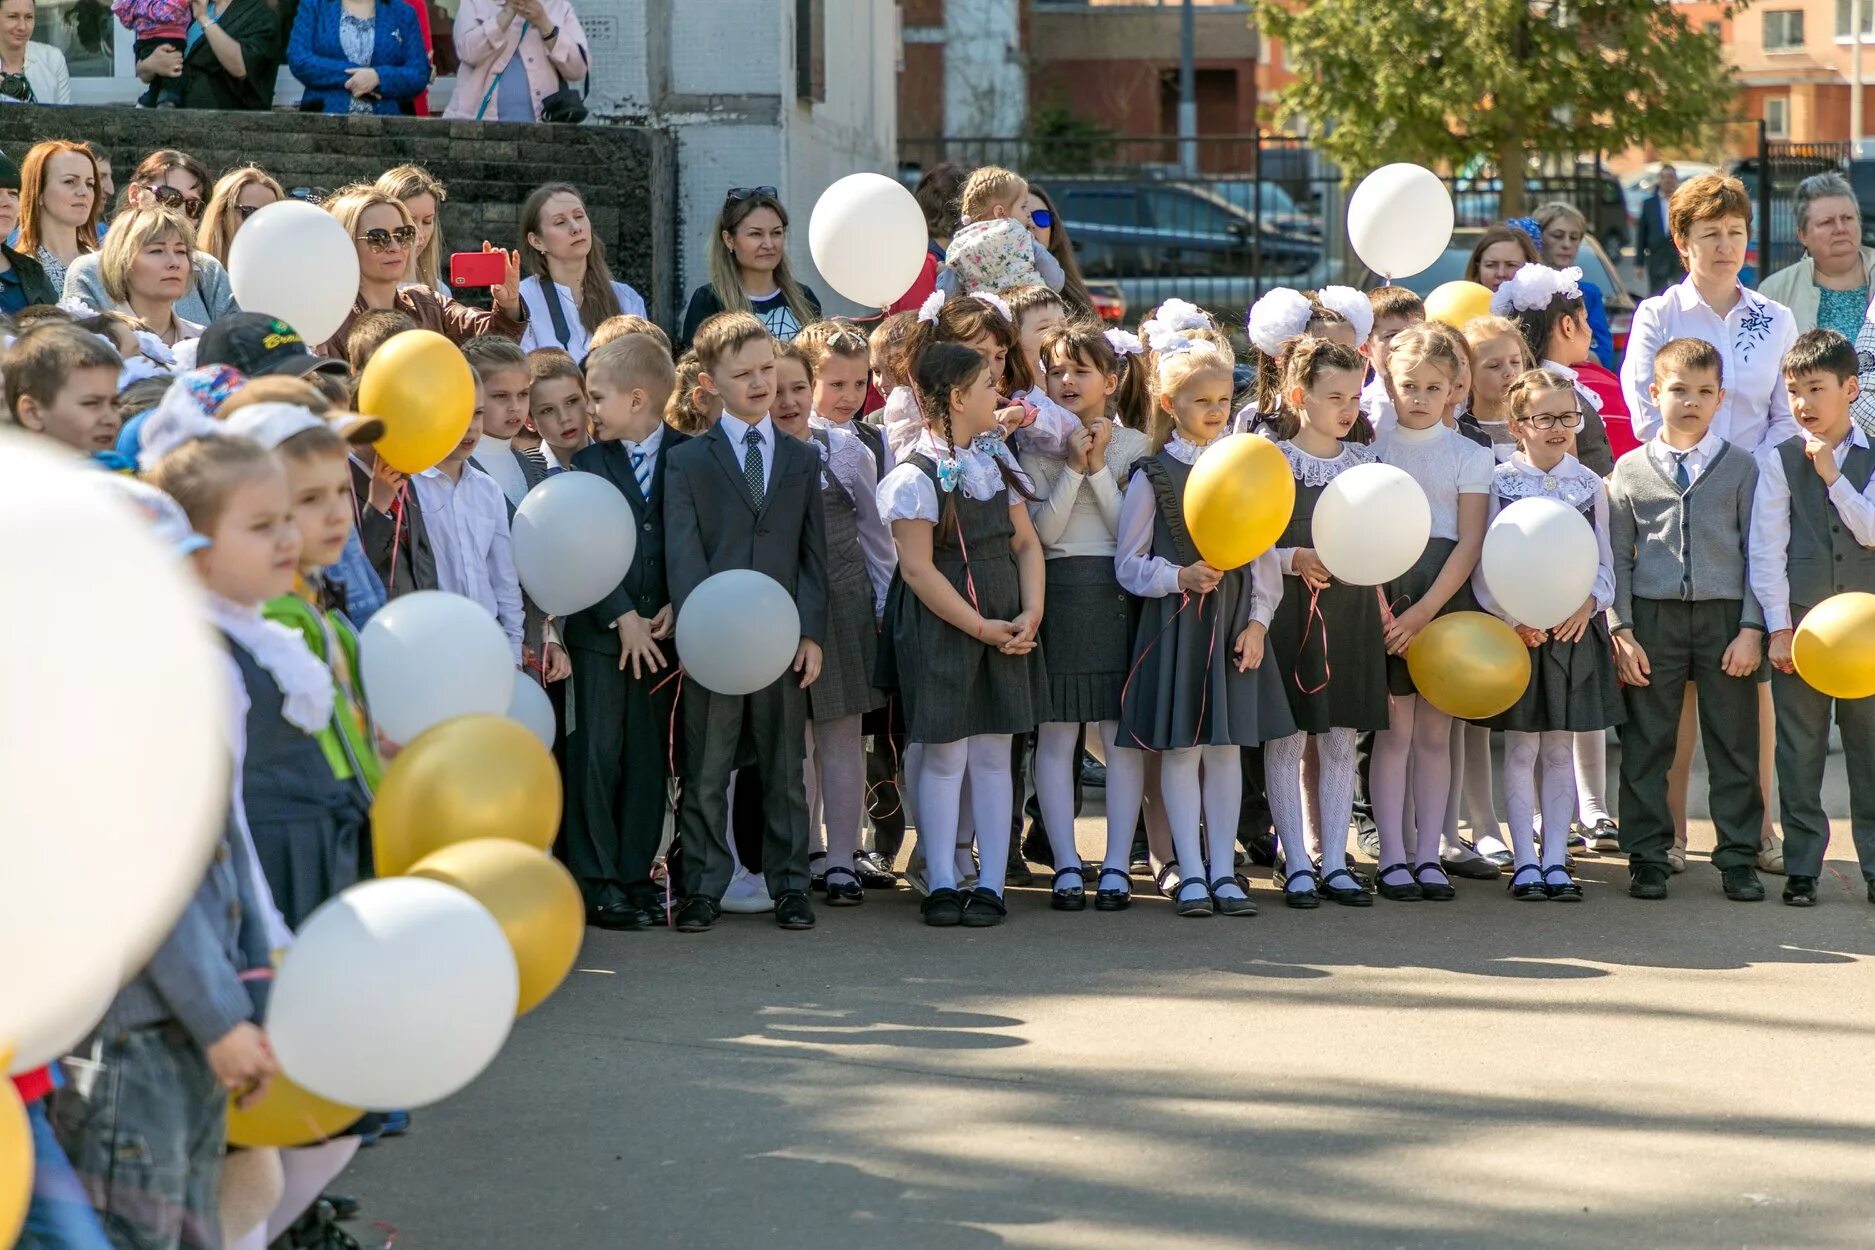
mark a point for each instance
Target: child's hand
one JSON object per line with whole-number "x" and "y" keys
{"x": 1405, "y": 628}
{"x": 661, "y": 623}
{"x": 807, "y": 662}
{"x": 636, "y": 645}
{"x": 1200, "y": 578}
{"x": 386, "y": 482}
{"x": 1311, "y": 570}
{"x": 1027, "y": 625}
{"x": 998, "y": 634}
{"x": 1631, "y": 664}
{"x": 1249, "y": 648}
{"x": 1532, "y": 638}
{"x": 1822, "y": 459}
{"x": 556, "y": 664}
{"x": 1780, "y": 651}
{"x": 1742, "y": 657}
{"x": 1572, "y": 629}
{"x": 1080, "y": 449}
{"x": 243, "y": 1062}
{"x": 1102, "y": 429}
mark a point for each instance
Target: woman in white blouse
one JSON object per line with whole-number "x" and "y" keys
{"x": 568, "y": 289}
{"x": 1710, "y": 218}
{"x": 30, "y": 73}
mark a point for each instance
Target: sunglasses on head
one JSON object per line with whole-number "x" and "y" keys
{"x": 751, "y": 193}
{"x": 382, "y": 240}
{"x": 169, "y": 197}
{"x": 311, "y": 195}
{"x": 1041, "y": 219}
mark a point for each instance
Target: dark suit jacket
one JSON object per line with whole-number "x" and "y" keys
{"x": 1653, "y": 247}
{"x": 415, "y": 567}
{"x": 645, "y": 589}
{"x": 711, "y": 524}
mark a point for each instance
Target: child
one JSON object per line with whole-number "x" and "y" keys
{"x": 1498, "y": 359}
{"x": 1325, "y": 636}
{"x": 691, "y": 407}
{"x": 501, "y": 371}
{"x": 1812, "y": 530}
{"x": 994, "y": 249}
{"x": 1087, "y": 632}
{"x": 1455, "y": 473}
{"x": 840, "y": 358}
{"x": 1572, "y": 686}
{"x": 886, "y": 349}
{"x": 62, "y": 382}
{"x": 962, "y": 621}
{"x": 982, "y": 323}
{"x": 371, "y": 331}
{"x": 627, "y": 323}
{"x": 618, "y": 743}
{"x": 1192, "y": 695}
{"x": 1035, "y": 310}
{"x": 156, "y": 24}
{"x": 556, "y": 407}
{"x": 1394, "y": 309}
{"x": 720, "y": 484}
{"x": 1679, "y": 523}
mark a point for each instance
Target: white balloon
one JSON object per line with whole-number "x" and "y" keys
{"x": 114, "y": 770}
{"x": 1400, "y": 220}
{"x": 394, "y": 994}
{"x": 430, "y": 656}
{"x": 1371, "y": 523}
{"x": 738, "y": 632}
{"x": 1539, "y": 561}
{"x": 532, "y": 708}
{"x": 574, "y": 537}
{"x": 294, "y": 261}
{"x": 868, "y": 238}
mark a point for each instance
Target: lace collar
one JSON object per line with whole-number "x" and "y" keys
{"x": 1313, "y": 470}
{"x": 973, "y": 467}
{"x": 1517, "y": 478}
{"x": 1184, "y": 450}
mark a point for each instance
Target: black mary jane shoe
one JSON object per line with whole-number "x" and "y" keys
{"x": 1563, "y": 891}
{"x": 984, "y": 908}
{"x": 1302, "y": 900}
{"x": 1228, "y": 906}
{"x": 1159, "y": 877}
{"x": 1196, "y": 907}
{"x": 844, "y": 888}
{"x": 1528, "y": 890}
{"x": 817, "y": 877}
{"x": 875, "y": 871}
{"x": 942, "y": 908}
{"x": 1114, "y": 900}
{"x": 1070, "y": 898}
{"x": 1433, "y": 891}
{"x": 1409, "y": 892}
{"x": 1350, "y": 895}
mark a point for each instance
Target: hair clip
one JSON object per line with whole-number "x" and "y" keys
{"x": 933, "y": 304}
{"x": 1279, "y": 316}
{"x": 1122, "y": 343}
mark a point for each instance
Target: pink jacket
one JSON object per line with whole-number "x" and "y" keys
{"x": 485, "y": 50}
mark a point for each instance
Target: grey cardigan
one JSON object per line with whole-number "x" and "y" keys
{"x": 1682, "y": 548}
{"x": 209, "y": 297}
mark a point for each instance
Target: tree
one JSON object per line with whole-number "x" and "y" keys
{"x": 1441, "y": 82}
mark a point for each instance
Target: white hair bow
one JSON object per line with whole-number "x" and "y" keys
{"x": 1534, "y": 287}
{"x": 1279, "y": 316}
{"x": 1352, "y": 305}
{"x": 1124, "y": 344}
{"x": 932, "y": 306}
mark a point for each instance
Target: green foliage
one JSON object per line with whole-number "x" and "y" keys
{"x": 1063, "y": 142}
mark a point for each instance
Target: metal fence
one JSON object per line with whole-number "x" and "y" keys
{"x": 1772, "y": 177}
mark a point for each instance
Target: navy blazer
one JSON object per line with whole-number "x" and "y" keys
{"x": 318, "y": 59}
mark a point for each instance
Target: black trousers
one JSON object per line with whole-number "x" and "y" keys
{"x": 1803, "y": 716}
{"x": 1253, "y": 818}
{"x": 1363, "y": 800}
{"x": 776, "y": 721}
{"x": 617, "y": 769}
{"x": 1685, "y": 642}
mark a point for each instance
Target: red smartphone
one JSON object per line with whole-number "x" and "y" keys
{"x": 477, "y": 268}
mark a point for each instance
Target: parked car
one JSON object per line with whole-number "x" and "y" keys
{"x": 1267, "y": 202}
{"x": 1109, "y": 302}
{"x": 1477, "y": 202}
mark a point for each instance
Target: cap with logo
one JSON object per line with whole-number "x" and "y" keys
{"x": 259, "y": 345}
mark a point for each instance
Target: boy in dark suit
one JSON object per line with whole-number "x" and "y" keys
{"x": 742, "y": 497}
{"x": 618, "y": 744}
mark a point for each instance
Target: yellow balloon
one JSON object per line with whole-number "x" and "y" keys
{"x": 536, "y": 901}
{"x": 1834, "y": 649}
{"x": 1469, "y": 665}
{"x": 470, "y": 777}
{"x": 288, "y": 1116}
{"x": 1238, "y": 500}
{"x": 16, "y": 1155}
{"x": 1455, "y": 303}
{"x": 419, "y": 384}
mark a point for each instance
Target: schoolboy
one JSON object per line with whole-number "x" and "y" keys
{"x": 556, "y": 407}
{"x": 1679, "y": 514}
{"x": 1395, "y": 308}
{"x": 742, "y": 497}
{"x": 1812, "y": 530}
{"x": 62, "y": 382}
{"x": 623, "y": 324}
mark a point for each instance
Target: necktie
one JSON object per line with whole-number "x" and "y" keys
{"x": 752, "y": 464}
{"x": 1681, "y": 477}
{"x": 641, "y": 469}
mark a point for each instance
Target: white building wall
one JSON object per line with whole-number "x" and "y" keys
{"x": 985, "y": 85}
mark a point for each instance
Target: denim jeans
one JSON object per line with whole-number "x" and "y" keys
{"x": 144, "y": 1122}
{"x": 60, "y": 1217}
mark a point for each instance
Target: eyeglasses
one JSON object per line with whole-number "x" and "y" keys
{"x": 1041, "y": 219}
{"x": 311, "y": 195}
{"x": 1567, "y": 420}
{"x": 382, "y": 240}
{"x": 169, "y": 197}
{"x": 248, "y": 210}
{"x": 751, "y": 193}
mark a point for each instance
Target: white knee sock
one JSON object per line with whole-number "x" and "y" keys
{"x": 1222, "y": 784}
{"x": 1589, "y": 750}
{"x": 308, "y": 1170}
{"x": 1282, "y": 785}
{"x": 1055, "y": 765}
{"x": 991, "y": 791}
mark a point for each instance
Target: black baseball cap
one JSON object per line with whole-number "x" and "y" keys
{"x": 259, "y": 346}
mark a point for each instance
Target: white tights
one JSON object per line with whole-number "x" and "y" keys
{"x": 1417, "y": 743}
{"x": 941, "y": 804}
{"x": 1055, "y": 764}
{"x": 308, "y": 1170}
{"x": 1590, "y": 748}
{"x": 1213, "y": 794}
{"x": 1554, "y": 752}
{"x": 1287, "y": 788}
{"x": 836, "y": 786}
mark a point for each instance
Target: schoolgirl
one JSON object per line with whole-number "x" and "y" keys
{"x": 1035, "y": 310}
{"x": 962, "y": 620}
{"x": 1202, "y": 684}
{"x": 1499, "y": 358}
{"x": 1572, "y": 686}
{"x": 841, "y": 359}
{"x": 1455, "y": 473}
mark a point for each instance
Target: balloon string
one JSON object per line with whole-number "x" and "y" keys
{"x": 670, "y": 760}
{"x": 1184, "y": 601}
{"x": 891, "y": 745}
{"x": 1314, "y": 615}
{"x": 397, "y": 539}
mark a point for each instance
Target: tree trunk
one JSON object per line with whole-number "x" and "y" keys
{"x": 1513, "y": 200}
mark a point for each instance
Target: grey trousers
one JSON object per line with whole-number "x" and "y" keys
{"x": 775, "y": 719}
{"x": 1803, "y": 715}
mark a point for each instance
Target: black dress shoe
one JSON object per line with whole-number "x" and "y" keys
{"x": 942, "y": 908}
{"x": 1019, "y": 872}
{"x": 793, "y": 911}
{"x": 651, "y": 903}
{"x": 1871, "y": 889}
{"x": 1650, "y": 881}
{"x": 983, "y": 909}
{"x": 696, "y": 914}
{"x": 875, "y": 871}
{"x": 617, "y": 917}
{"x": 344, "y": 1207}
{"x": 1800, "y": 891}
{"x": 1742, "y": 884}
{"x": 1035, "y": 846}
{"x": 1093, "y": 772}
{"x": 1139, "y": 859}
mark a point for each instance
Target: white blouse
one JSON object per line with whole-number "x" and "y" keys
{"x": 1079, "y": 513}
{"x": 1752, "y": 340}
{"x": 908, "y": 494}
{"x": 540, "y": 331}
{"x": 850, "y": 462}
{"x": 1570, "y": 483}
{"x": 1446, "y": 465}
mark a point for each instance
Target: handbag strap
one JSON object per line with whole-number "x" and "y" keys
{"x": 561, "y": 331}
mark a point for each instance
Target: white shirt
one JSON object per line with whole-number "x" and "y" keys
{"x": 1752, "y": 340}
{"x": 540, "y": 331}
{"x": 1079, "y": 513}
{"x": 47, "y": 74}
{"x": 495, "y": 457}
{"x": 1446, "y": 465}
{"x": 467, "y": 522}
{"x": 737, "y": 431}
{"x": 1377, "y": 406}
{"x": 650, "y": 447}
{"x": 1662, "y": 454}
{"x": 907, "y": 493}
{"x": 1569, "y": 483}
{"x": 1768, "y": 550}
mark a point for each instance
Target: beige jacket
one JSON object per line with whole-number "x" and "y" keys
{"x": 1795, "y": 288}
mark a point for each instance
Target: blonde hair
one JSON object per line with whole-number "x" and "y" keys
{"x": 1533, "y": 382}
{"x": 726, "y": 278}
{"x": 1482, "y": 330}
{"x": 407, "y": 182}
{"x": 131, "y": 233}
{"x": 1172, "y": 372}
{"x": 351, "y": 203}
{"x": 990, "y": 187}
{"x": 625, "y": 324}
{"x": 636, "y": 360}
{"x": 1423, "y": 344}
{"x": 835, "y": 336}
{"x": 204, "y": 473}
{"x": 1548, "y": 214}
{"x": 222, "y": 216}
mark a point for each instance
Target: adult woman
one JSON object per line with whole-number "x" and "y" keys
{"x": 232, "y": 58}
{"x": 1500, "y": 252}
{"x": 1829, "y": 287}
{"x": 383, "y": 233}
{"x": 175, "y": 180}
{"x": 937, "y": 193}
{"x": 748, "y": 267}
{"x": 22, "y": 281}
{"x": 1560, "y": 228}
{"x": 30, "y": 73}
{"x": 358, "y": 56}
{"x": 423, "y": 195}
{"x": 239, "y": 195}
{"x": 58, "y": 206}
{"x": 568, "y": 290}
{"x": 514, "y": 54}
{"x": 145, "y": 268}
{"x": 1052, "y": 233}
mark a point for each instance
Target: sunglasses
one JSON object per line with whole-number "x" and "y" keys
{"x": 311, "y": 195}
{"x": 1041, "y": 219}
{"x": 751, "y": 193}
{"x": 248, "y": 210}
{"x": 1568, "y": 421}
{"x": 169, "y": 197}
{"x": 382, "y": 240}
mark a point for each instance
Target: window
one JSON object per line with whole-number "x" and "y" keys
{"x": 1777, "y": 117}
{"x": 1845, "y": 10}
{"x": 1783, "y": 30}
{"x": 1715, "y": 29}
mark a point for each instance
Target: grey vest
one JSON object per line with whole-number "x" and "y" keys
{"x": 1824, "y": 558}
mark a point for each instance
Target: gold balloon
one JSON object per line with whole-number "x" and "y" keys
{"x": 1469, "y": 665}
{"x": 1455, "y": 303}
{"x": 16, "y": 1155}
{"x": 288, "y": 1116}
{"x": 1834, "y": 649}
{"x": 470, "y": 777}
{"x": 536, "y": 901}
{"x": 1238, "y": 500}
{"x": 419, "y": 384}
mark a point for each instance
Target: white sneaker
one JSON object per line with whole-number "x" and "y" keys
{"x": 747, "y": 894}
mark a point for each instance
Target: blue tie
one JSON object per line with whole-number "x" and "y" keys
{"x": 641, "y": 469}
{"x": 1681, "y": 477}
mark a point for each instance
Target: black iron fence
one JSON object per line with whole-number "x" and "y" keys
{"x": 1772, "y": 177}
